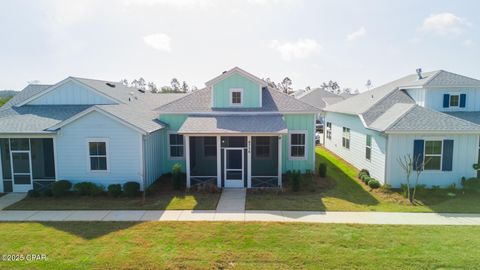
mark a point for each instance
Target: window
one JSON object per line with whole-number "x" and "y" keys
{"x": 175, "y": 142}
{"x": 454, "y": 100}
{"x": 262, "y": 147}
{"x": 209, "y": 146}
{"x": 236, "y": 96}
{"x": 346, "y": 138}
{"x": 368, "y": 147}
{"x": 97, "y": 151}
{"x": 433, "y": 155}
{"x": 329, "y": 130}
{"x": 298, "y": 145}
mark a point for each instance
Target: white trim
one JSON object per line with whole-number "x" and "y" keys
{"x": 343, "y": 137}
{"x": 186, "y": 143}
{"x": 314, "y": 143}
{"x": 249, "y": 161}
{"x": 433, "y": 155}
{"x": 230, "y": 100}
{"x": 450, "y": 95}
{"x": 242, "y": 149}
{"x": 107, "y": 154}
{"x": 54, "y": 139}
{"x": 441, "y": 132}
{"x": 168, "y": 145}
{"x": 55, "y": 86}
{"x": 368, "y": 146}
{"x": 219, "y": 161}
{"x": 280, "y": 158}
{"x": 142, "y": 161}
{"x": 30, "y": 164}
{"x": 305, "y": 154}
{"x": 260, "y": 98}
{"x": 231, "y": 72}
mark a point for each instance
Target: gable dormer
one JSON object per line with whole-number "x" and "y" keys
{"x": 236, "y": 88}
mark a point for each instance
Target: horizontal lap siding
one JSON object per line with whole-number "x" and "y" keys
{"x": 356, "y": 154}
{"x": 174, "y": 123}
{"x": 299, "y": 122}
{"x": 124, "y": 151}
{"x": 71, "y": 93}
{"x": 465, "y": 151}
{"x": 153, "y": 157}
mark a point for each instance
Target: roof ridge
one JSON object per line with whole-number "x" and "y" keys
{"x": 176, "y": 100}
{"x": 291, "y": 97}
{"x": 433, "y": 77}
{"x": 400, "y": 116}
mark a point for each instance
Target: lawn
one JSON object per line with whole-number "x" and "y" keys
{"x": 209, "y": 245}
{"x": 342, "y": 191}
{"x": 161, "y": 196}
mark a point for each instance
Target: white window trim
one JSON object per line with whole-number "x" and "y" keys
{"x": 305, "y": 155}
{"x": 450, "y": 99}
{"x": 432, "y": 155}
{"x": 236, "y": 90}
{"x": 168, "y": 145}
{"x": 328, "y": 130}
{"x": 368, "y": 146}
{"x": 107, "y": 154}
{"x": 349, "y": 137}
{"x": 269, "y": 149}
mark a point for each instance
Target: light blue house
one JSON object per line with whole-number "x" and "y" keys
{"x": 236, "y": 132}
{"x": 432, "y": 117}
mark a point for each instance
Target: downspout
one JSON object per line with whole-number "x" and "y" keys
{"x": 144, "y": 195}
{"x": 385, "y": 173}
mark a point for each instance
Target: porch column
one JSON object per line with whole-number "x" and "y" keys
{"x": 280, "y": 161}
{"x": 219, "y": 162}
{"x": 249, "y": 161}
{"x": 187, "y": 158}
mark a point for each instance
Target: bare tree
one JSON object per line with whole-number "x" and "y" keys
{"x": 194, "y": 88}
{"x": 139, "y": 83}
{"x": 152, "y": 87}
{"x": 185, "y": 87}
{"x": 124, "y": 82}
{"x": 270, "y": 83}
{"x": 286, "y": 85}
{"x": 410, "y": 165}
{"x": 175, "y": 85}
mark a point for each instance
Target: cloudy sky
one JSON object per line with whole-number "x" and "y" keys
{"x": 309, "y": 41}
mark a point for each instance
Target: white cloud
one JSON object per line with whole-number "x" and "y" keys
{"x": 173, "y": 3}
{"x": 357, "y": 34}
{"x": 302, "y": 48}
{"x": 158, "y": 41}
{"x": 468, "y": 43}
{"x": 444, "y": 23}
{"x": 271, "y": 2}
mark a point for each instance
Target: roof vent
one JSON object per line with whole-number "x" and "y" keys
{"x": 224, "y": 72}
{"x": 110, "y": 84}
{"x": 419, "y": 73}
{"x": 141, "y": 91}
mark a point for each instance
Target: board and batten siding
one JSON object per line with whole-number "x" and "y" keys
{"x": 465, "y": 154}
{"x": 123, "y": 153}
{"x": 251, "y": 92}
{"x": 174, "y": 122}
{"x": 356, "y": 155}
{"x": 299, "y": 122}
{"x": 432, "y": 98}
{"x": 153, "y": 157}
{"x": 71, "y": 93}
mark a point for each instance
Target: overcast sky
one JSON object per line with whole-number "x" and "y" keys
{"x": 308, "y": 41}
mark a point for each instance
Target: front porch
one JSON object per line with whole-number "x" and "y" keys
{"x": 234, "y": 161}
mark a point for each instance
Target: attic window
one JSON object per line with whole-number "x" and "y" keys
{"x": 236, "y": 96}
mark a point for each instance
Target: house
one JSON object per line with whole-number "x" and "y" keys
{"x": 236, "y": 132}
{"x": 432, "y": 117}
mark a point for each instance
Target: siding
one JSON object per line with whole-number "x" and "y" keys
{"x": 124, "y": 151}
{"x": 153, "y": 157}
{"x": 465, "y": 153}
{"x": 299, "y": 122}
{"x": 356, "y": 154}
{"x": 434, "y": 98}
{"x": 71, "y": 93}
{"x": 251, "y": 92}
{"x": 174, "y": 123}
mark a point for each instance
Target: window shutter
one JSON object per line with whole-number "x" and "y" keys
{"x": 447, "y": 156}
{"x": 417, "y": 154}
{"x": 463, "y": 99}
{"x": 446, "y": 100}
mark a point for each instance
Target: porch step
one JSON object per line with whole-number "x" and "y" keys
{"x": 11, "y": 198}
{"x": 232, "y": 200}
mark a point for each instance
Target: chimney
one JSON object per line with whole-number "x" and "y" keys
{"x": 419, "y": 73}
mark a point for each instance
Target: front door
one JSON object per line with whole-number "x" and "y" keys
{"x": 234, "y": 167}
{"x": 21, "y": 171}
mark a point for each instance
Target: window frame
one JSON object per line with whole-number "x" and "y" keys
{"x": 236, "y": 90}
{"x": 176, "y": 145}
{"x": 107, "y": 154}
{"x": 368, "y": 148}
{"x": 450, "y": 100}
{"x": 269, "y": 145}
{"x": 432, "y": 155}
{"x": 305, "y": 154}
{"x": 344, "y": 138}
{"x": 328, "y": 130}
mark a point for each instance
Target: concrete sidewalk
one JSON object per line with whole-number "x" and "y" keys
{"x": 11, "y": 198}
{"x": 232, "y": 201}
{"x": 246, "y": 216}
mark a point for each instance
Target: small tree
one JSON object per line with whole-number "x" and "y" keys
{"x": 175, "y": 85}
{"x": 409, "y": 166}
{"x": 152, "y": 87}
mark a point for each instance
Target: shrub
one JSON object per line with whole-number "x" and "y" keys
{"x": 114, "y": 190}
{"x": 33, "y": 193}
{"x": 131, "y": 189}
{"x": 471, "y": 184}
{"x": 88, "y": 189}
{"x": 176, "y": 176}
{"x": 322, "y": 170}
{"x": 296, "y": 178}
{"x": 373, "y": 183}
{"x": 60, "y": 188}
{"x": 404, "y": 188}
{"x": 421, "y": 189}
{"x": 364, "y": 177}
{"x": 363, "y": 171}
{"x": 452, "y": 188}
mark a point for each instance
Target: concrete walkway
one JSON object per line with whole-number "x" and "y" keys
{"x": 247, "y": 216}
{"x": 11, "y": 198}
{"x": 232, "y": 201}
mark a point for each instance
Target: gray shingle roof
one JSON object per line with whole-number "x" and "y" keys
{"x": 320, "y": 98}
{"x": 142, "y": 119}
{"x": 36, "y": 119}
{"x": 200, "y": 101}
{"x": 473, "y": 117}
{"x": 234, "y": 124}
{"x": 390, "y": 116}
{"x": 26, "y": 93}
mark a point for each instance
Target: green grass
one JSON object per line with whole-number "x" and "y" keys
{"x": 208, "y": 245}
{"x": 349, "y": 194}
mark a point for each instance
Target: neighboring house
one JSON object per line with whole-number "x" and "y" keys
{"x": 236, "y": 132}
{"x": 80, "y": 130}
{"x": 432, "y": 117}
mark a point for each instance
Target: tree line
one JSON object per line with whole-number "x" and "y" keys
{"x": 175, "y": 86}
